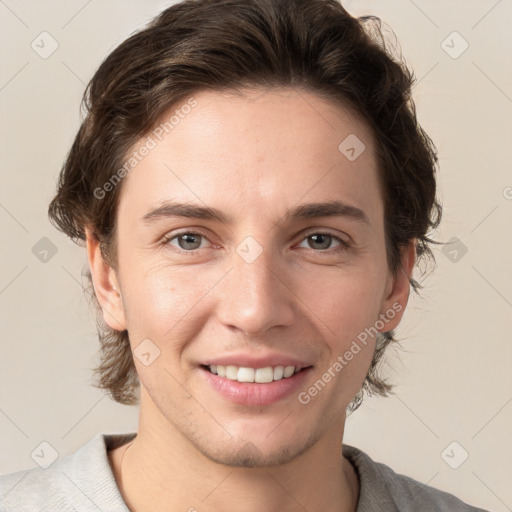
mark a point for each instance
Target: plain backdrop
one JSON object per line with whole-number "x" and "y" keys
{"x": 453, "y": 394}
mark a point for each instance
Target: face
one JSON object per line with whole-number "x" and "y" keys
{"x": 266, "y": 282}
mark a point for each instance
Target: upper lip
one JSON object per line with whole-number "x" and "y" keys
{"x": 251, "y": 361}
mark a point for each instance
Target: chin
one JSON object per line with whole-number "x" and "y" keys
{"x": 252, "y": 455}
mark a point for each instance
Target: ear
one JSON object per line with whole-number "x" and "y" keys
{"x": 105, "y": 283}
{"x": 398, "y": 289}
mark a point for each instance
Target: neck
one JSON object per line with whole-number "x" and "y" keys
{"x": 163, "y": 470}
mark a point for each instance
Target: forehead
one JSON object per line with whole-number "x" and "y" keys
{"x": 261, "y": 149}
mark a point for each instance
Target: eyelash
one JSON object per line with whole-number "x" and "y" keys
{"x": 342, "y": 247}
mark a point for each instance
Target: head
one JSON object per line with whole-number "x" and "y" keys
{"x": 251, "y": 108}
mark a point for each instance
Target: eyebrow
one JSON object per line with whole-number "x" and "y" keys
{"x": 303, "y": 211}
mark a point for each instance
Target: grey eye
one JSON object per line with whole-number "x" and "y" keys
{"x": 321, "y": 241}
{"x": 187, "y": 241}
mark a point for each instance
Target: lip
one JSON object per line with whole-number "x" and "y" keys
{"x": 254, "y": 394}
{"x": 249, "y": 361}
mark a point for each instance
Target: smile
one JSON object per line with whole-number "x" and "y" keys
{"x": 258, "y": 375}
{"x": 255, "y": 386}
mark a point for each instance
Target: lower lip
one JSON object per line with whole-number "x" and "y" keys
{"x": 249, "y": 393}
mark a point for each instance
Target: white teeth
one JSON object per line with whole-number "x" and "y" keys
{"x": 278, "y": 372}
{"x": 246, "y": 374}
{"x": 231, "y": 372}
{"x": 288, "y": 371}
{"x": 258, "y": 375}
{"x": 263, "y": 375}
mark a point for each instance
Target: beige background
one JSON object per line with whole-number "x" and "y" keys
{"x": 453, "y": 378}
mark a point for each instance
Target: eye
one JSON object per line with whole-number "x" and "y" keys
{"x": 324, "y": 240}
{"x": 187, "y": 241}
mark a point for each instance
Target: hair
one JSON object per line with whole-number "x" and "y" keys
{"x": 229, "y": 45}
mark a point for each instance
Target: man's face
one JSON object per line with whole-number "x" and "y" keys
{"x": 259, "y": 289}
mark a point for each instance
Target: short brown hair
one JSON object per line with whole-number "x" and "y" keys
{"x": 195, "y": 45}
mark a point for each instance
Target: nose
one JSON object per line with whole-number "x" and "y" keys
{"x": 256, "y": 295}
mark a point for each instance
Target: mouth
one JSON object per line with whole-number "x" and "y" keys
{"x": 257, "y": 375}
{"x": 250, "y": 386}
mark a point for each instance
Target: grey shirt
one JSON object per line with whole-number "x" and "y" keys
{"x": 84, "y": 482}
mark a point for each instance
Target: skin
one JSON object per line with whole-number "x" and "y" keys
{"x": 252, "y": 156}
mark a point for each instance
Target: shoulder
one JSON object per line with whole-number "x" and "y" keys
{"x": 28, "y": 489}
{"x": 384, "y": 490}
{"x": 33, "y": 488}
{"x": 81, "y": 480}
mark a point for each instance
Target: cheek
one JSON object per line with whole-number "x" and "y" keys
{"x": 161, "y": 321}
{"x": 344, "y": 300}
{"x": 345, "y": 311}
{"x": 150, "y": 303}
{"x": 164, "y": 304}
